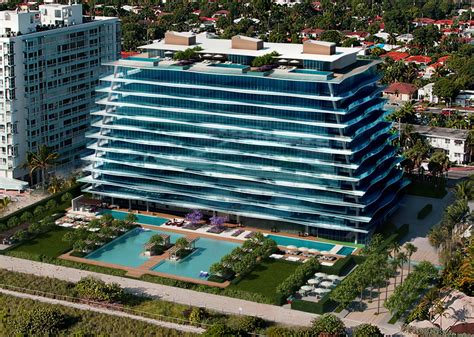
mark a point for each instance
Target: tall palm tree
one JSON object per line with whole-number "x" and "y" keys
{"x": 410, "y": 249}
{"x": 394, "y": 248}
{"x": 402, "y": 257}
{"x": 394, "y": 264}
{"x": 41, "y": 161}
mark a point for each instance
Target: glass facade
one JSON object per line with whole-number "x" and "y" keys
{"x": 315, "y": 154}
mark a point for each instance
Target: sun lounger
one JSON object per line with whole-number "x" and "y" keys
{"x": 237, "y": 232}
{"x": 250, "y": 235}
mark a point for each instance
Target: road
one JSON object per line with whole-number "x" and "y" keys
{"x": 178, "y": 295}
{"x": 82, "y": 306}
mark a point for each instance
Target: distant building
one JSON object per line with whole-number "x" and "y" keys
{"x": 50, "y": 63}
{"x": 425, "y": 94}
{"x": 452, "y": 141}
{"x": 465, "y": 98}
{"x": 289, "y": 3}
{"x": 400, "y": 91}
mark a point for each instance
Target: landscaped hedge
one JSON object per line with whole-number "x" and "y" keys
{"x": 425, "y": 211}
{"x": 74, "y": 191}
{"x": 341, "y": 267}
{"x": 298, "y": 278}
{"x": 325, "y": 304}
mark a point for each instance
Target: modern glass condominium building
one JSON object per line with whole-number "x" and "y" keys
{"x": 302, "y": 146}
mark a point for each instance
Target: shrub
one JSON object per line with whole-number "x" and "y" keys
{"x": 26, "y": 217}
{"x": 39, "y": 211}
{"x": 280, "y": 331}
{"x": 298, "y": 278}
{"x": 13, "y": 221}
{"x": 41, "y": 321}
{"x": 247, "y": 323}
{"x": 264, "y": 59}
{"x": 425, "y": 211}
{"x": 367, "y": 330}
{"x": 197, "y": 315}
{"x": 328, "y": 324}
{"x": 66, "y": 197}
{"x": 51, "y": 204}
{"x": 219, "y": 330}
{"x": 97, "y": 290}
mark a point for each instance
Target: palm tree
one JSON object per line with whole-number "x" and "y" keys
{"x": 402, "y": 257}
{"x": 394, "y": 248}
{"x": 464, "y": 190}
{"x": 410, "y": 249}
{"x": 55, "y": 185}
{"x": 4, "y": 202}
{"x": 394, "y": 264}
{"x": 41, "y": 160}
{"x": 405, "y": 113}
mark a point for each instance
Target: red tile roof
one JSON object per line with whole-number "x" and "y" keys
{"x": 443, "y": 59}
{"x": 425, "y": 20}
{"x": 125, "y": 54}
{"x": 401, "y": 88}
{"x": 419, "y": 59}
{"x": 444, "y": 22}
{"x": 396, "y": 55}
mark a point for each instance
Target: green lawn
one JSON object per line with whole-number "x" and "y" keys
{"x": 50, "y": 244}
{"x": 266, "y": 277}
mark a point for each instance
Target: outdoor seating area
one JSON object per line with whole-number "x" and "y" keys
{"x": 301, "y": 254}
{"x": 318, "y": 286}
{"x": 71, "y": 220}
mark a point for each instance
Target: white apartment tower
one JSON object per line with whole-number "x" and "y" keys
{"x": 50, "y": 63}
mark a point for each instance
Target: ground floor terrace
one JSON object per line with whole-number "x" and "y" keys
{"x": 127, "y": 252}
{"x": 323, "y": 233}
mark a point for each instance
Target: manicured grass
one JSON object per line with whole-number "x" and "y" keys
{"x": 50, "y": 244}
{"x": 265, "y": 278}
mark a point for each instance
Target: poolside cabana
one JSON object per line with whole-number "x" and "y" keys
{"x": 191, "y": 242}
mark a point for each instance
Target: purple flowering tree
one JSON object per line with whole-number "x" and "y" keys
{"x": 218, "y": 220}
{"x": 194, "y": 217}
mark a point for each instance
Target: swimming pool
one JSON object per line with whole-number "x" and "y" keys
{"x": 345, "y": 250}
{"x": 208, "y": 251}
{"x": 320, "y": 246}
{"x": 229, "y": 65}
{"x": 142, "y": 219}
{"x": 325, "y": 74}
{"x": 126, "y": 250}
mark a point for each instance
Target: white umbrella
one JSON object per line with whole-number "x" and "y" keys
{"x": 325, "y": 291}
{"x": 319, "y": 290}
{"x": 291, "y": 247}
{"x": 306, "y": 288}
{"x": 326, "y": 284}
{"x": 320, "y": 275}
{"x": 313, "y": 281}
{"x": 282, "y": 61}
{"x": 207, "y": 55}
{"x": 218, "y": 56}
{"x": 332, "y": 277}
{"x": 312, "y": 251}
{"x": 168, "y": 52}
{"x": 303, "y": 249}
{"x": 294, "y": 62}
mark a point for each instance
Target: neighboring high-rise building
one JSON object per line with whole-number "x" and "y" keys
{"x": 302, "y": 146}
{"x": 50, "y": 63}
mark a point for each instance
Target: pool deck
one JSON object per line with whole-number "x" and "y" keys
{"x": 137, "y": 272}
{"x": 226, "y": 235}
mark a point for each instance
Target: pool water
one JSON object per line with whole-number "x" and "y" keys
{"x": 208, "y": 251}
{"x": 320, "y": 246}
{"x": 229, "y": 65}
{"x": 286, "y": 241}
{"x": 126, "y": 250}
{"x": 142, "y": 219}
{"x": 312, "y": 72}
{"x": 345, "y": 250}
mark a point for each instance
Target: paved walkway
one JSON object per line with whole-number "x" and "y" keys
{"x": 82, "y": 306}
{"x": 410, "y": 205}
{"x": 178, "y": 295}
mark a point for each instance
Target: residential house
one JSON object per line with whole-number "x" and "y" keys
{"x": 425, "y": 94}
{"x": 400, "y": 91}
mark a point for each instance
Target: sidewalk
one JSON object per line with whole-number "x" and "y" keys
{"x": 178, "y": 295}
